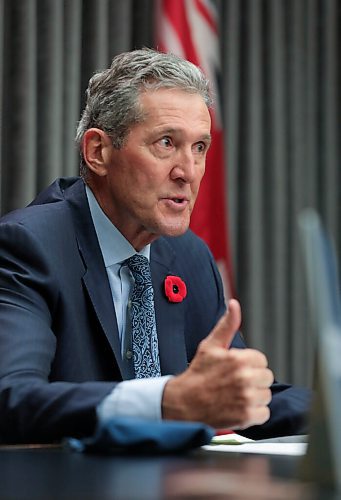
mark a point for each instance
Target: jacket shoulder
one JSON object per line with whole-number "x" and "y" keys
{"x": 48, "y": 207}
{"x": 57, "y": 190}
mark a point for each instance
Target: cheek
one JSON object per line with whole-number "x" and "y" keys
{"x": 144, "y": 172}
{"x": 153, "y": 178}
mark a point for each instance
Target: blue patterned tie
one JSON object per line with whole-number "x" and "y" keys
{"x": 144, "y": 337}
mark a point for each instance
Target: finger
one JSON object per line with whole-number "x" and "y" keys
{"x": 224, "y": 331}
{"x": 262, "y": 377}
{"x": 254, "y": 377}
{"x": 249, "y": 357}
{"x": 256, "y": 396}
{"x": 259, "y": 415}
{"x": 264, "y": 397}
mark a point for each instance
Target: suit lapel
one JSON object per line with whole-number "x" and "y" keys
{"x": 95, "y": 277}
{"x": 170, "y": 316}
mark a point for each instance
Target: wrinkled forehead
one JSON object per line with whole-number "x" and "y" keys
{"x": 170, "y": 110}
{"x": 149, "y": 97}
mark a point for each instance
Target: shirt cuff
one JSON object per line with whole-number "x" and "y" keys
{"x": 134, "y": 398}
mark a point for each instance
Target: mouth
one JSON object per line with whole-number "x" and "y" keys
{"x": 179, "y": 200}
{"x": 176, "y": 202}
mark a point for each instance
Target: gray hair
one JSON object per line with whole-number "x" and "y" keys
{"x": 112, "y": 97}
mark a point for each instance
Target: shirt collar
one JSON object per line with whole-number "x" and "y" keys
{"x": 114, "y": 246}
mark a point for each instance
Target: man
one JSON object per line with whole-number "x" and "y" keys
{"x": 68, "y": 357}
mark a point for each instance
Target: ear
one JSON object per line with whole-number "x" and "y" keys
{"x": 96, "y": 147}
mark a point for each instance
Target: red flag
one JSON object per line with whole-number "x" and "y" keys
{"x": 189, "y": 29}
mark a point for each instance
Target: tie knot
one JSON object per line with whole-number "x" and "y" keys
{"x": 139, "y": 266}
{"x": 137, "y": 262}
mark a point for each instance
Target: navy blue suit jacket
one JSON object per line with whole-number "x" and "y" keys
{"x": 59, "y": 344}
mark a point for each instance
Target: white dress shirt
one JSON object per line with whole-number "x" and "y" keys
{"x": 142, "y": 397}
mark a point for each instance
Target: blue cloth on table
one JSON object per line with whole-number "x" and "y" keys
{"x": 144, "y": 436}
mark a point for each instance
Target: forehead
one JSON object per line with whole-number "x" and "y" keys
{"x": 175, "y": 102}
{"x": 173, "y": 111}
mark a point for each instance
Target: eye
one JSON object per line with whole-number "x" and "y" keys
{"x": 166, "y": 142}
{"x": 200, "y": 147}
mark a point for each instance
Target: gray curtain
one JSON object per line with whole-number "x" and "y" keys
{"x": 280, "y": 85}
{"x": 49, "y": 49}
{"x": 282, "y": 109}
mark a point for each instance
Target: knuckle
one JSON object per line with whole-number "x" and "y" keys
{"x": 248, "y": 395}
{"x": 268, "y": 396}
{"x": 245, "y": 377}
{"x": 264, "y": 359}
{"x": 247, "y": 416}
{"x": 271, "y": 376}
{"x": 266, "y": 414}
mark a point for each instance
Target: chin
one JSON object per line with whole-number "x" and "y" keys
{"x": 169, "y": 227}
{"x": 175, "y": 230}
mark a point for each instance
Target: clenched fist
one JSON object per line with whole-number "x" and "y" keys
{"x": 221, "y": 387}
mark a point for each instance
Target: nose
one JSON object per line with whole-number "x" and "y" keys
{"x": 185, "y": 167}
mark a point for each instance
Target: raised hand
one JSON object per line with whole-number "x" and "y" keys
{"x": 221, "y": 387}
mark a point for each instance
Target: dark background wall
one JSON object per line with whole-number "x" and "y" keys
{"x": 281, "y": 105}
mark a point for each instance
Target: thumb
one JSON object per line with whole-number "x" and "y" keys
{"x": 224, "y": 331}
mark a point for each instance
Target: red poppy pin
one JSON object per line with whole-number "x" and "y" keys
{"x": 175, "y": 289}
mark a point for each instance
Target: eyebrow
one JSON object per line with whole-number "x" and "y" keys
{"x": 204, "y": 137}
{"x": 207, "y": 137}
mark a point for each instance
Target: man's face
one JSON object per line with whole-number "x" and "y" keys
{"x": 152, "y": 182}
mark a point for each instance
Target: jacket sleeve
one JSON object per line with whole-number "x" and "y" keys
{"x": 33, "y": 409}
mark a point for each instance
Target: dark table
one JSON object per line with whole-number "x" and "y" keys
{"x": 56, "y": 473}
